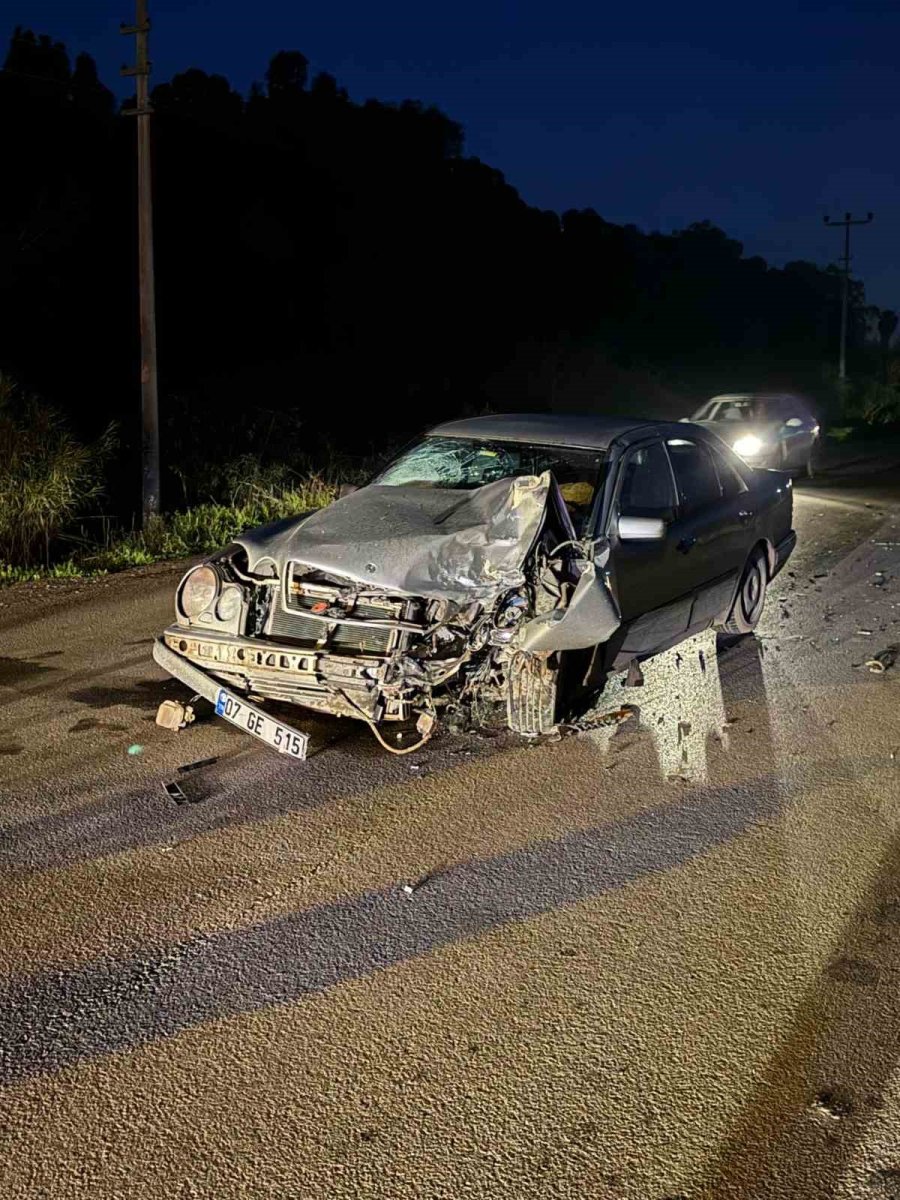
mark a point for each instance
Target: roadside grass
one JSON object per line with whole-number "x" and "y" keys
{"x": 197, "y": 530}
{"x": 47, "y": 476}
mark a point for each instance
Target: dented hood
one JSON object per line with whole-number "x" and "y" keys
{"x": 434, "y": 542}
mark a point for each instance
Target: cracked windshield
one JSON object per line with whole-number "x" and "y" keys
{"x": 464, "y": 464}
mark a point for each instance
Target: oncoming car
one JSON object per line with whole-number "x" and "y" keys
{"x": 503, "y": 564}
{"x": 777, "y": 430}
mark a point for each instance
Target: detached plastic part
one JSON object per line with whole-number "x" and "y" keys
{"x": 172, "y": 714}
{"x": 880, "y": 662}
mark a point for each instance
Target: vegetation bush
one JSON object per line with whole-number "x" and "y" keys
{"x": 47, "y": 476}
{"x": 207, "y": 527}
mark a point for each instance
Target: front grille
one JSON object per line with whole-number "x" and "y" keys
{"x": 314, "y": 633}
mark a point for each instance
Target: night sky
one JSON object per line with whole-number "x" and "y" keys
{"x": 759, "y": 117}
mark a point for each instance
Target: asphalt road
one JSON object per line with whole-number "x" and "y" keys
{"x": 653, "y": 961}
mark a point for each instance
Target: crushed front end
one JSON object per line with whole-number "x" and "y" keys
{"x": 266, "y": 623}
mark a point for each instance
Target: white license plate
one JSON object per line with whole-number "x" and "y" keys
{"x": 251, "y": 720}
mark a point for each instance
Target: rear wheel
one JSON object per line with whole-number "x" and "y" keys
{"x": 532, "y": 695}
{"x": 751, "y": 595}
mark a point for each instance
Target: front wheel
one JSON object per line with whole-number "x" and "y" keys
{"x": 751, "y": 595}
{"x": 532, "y": 695}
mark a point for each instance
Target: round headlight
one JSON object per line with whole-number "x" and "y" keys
{"x": 229, "y": 604}
{"x": 746, "y": 447}
{"x": 198, "y": 591}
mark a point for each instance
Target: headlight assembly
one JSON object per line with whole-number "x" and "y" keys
{"x": 198, "y": 591}
{"x": 229, "y": 604}
{"x": 748, "y": 446}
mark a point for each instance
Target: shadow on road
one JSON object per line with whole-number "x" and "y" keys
{"x": 52, "y": 1019}
{"x": 799, "y": 1132}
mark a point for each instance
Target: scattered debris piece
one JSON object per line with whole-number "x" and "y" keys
{"x": 864, "y": 632}
{"x": 834, "y": 1104}
{"x": 880, "y": 579}
{"x": 196, "y": 766}
{"x": 618, "y": 717}
{"x": 174, "y": 792}
{"x": 135, "y": 749}
{"x": 635, "y": 677}
{"x": 684, "y": 728}
{"x": 702, "y": 662}
{"x": 410, "y": 889}
{"x": 881, "y": 661}
{"x": 172, "y": 714}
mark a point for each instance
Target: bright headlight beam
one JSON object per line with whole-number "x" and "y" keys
{"x": 746, "y": 447}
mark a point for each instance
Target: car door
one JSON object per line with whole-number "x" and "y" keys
{"x": 794, "y": 428}
{"x": 651, "y": 579}
{"x": 713, "y": 525}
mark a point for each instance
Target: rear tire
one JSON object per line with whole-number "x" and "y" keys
{"x": 751, "y": 595}
{"x": 532, "y": 695}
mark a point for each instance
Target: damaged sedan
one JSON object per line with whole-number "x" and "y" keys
{"x": 496, "y": 571}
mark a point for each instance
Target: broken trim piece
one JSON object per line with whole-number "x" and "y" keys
{"x": 590, "y": 618}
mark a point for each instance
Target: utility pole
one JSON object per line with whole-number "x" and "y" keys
{"x": 846, "y": 223}
{"x": 149, "y": 394}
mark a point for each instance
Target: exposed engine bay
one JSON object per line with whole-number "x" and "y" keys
{"x": 402, "y": 605}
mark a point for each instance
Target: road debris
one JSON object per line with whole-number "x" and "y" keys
{"x": 410, "y": 889}
{"x": 635, "y": 676}
{"x": 172, "y": 714}
{"x": 135, "y": 749}
{"x": 864, "y": 632}
{"x": 174, "y": 792}
{"x": 881, "y": 661}
{"x": 196, "y": 766}
{"x": 833, "y": 1104}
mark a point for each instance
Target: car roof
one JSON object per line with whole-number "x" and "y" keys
{"x": 547, "y": 429}
{"x": 764, "y": 396}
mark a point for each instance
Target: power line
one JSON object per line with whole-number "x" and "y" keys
{"x": 846, "y": 223}
{"x": 149, "y": 394}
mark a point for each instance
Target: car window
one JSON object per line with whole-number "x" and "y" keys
{"x": 646, "y": 489}
{"x": 695, "y": 474}
{"x": 744, "y": 409}
{"x": 730, "y": 478}
{"x": 468, "y": 463}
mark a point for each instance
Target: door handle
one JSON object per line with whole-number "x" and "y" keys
{"x": 685, "y": 544}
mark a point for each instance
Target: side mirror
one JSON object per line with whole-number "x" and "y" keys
{"x": 346, "y": 488}
{"x": 641, "y": 529}
{"x": 793, "y": 423}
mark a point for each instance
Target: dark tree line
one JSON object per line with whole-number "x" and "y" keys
{"x": 334, "y": 273}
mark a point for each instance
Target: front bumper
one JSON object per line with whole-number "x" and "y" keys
{"x": 341, "y": 685}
